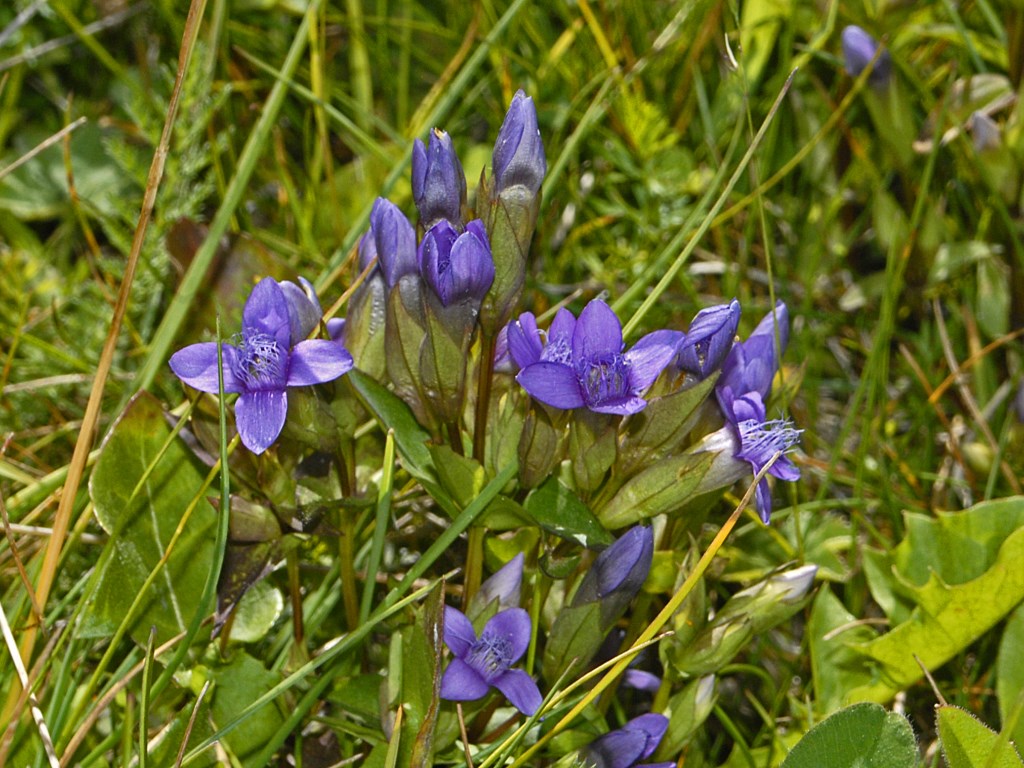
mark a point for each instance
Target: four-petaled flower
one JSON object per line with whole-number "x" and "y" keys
{"x": 627, "y": 746}
{"x": 760, "y": 440}
{"x": 484, "y": 662}
{"x": 584, "y": 364}
{"x": 263, "y": 365}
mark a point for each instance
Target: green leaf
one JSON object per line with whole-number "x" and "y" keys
{"x": 964, "y": 572}
{"x": 256, "y": 613}
{"x": 1010, "y": 675}
{"x": 141, "y": 525}
{"x": 461, "y": 476}
{"x": 661, "y": 488}
{"x": 559, "y": 511}
{"x": 969, "y": 743}
{"x": 860, "y": 736}
{"x": 573, "y": 640}
{"x": 237, "y": 685}
{"x": 836, "y": 667}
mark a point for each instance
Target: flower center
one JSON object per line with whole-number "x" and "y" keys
{"x": 557, "y": 351}
{"x": 604, "y": 380}
{"x": 490, "y": 655}
{"x": 260, "y": 361}
{"x": 761, "y": 440}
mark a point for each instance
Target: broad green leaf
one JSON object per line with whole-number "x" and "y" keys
{"x": 461, "y": 476}
{"x": 1010, "y": 676}
{"x": 558, "y": 510}
{"x": 393, "y": 413}
{"x": 256, "y": 613}
{"x": 142, "y": 523}
{"x": 573, "y": 640}
{"x": 969, "y": 743}
{"x": 659, "y": 489}
{"x": 964, "y": 572}
{"x": 836, "y": 667}
{"x": 236, "y": 686}
{"x": 860, "y": 736}
{"x": 422, "y": 680}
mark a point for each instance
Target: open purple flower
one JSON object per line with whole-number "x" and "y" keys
{"x": 438, "y": 181}
{"x": 760, "y": 440}
{"x": 484, "y": 662}
{"x": 709, "y": 339}
{"x": 527, "y": 344}
{"x": 626, "y": 747}
{"x": 598, "y": 373}
{"x": 457, "y": 267}
{"x": 262, "y": 366}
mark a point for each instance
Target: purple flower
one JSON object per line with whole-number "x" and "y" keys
{"x": 760, "y": 440}
{"x": 438, "y": 181}
{"x": 503, "y": 587}
{"x": 482, "y": 663}
{"x": 457, "y": 267}
{"x": 709, "y": 339}
{"x": 518, "y": 157}
{"x": 263, "y": 365}
{"x": 859, "y": 49}
{"x": 596, "y": 373}
{"x": 641, "y": 680}
{"x": 626, "y": 747}
{"x": 394, "y": 241}
{"x": 751, "y": 365}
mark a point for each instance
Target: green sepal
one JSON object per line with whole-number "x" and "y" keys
{"x": 659, "y": 489}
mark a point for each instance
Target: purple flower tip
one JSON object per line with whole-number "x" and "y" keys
{"x": 438, "y": 181}
{"x": 263, "y": 365}
{"x": 626, "y": 747}
{"x": 485, "y": 662}
{"x": 621, "y": 568}
{"x": 304, "y": 311}
{"x": 519, "y": 152}
{"x": 750, "y": 365}
{"x": 859, "y": 49}
{"x": 394, "y": 241}
{"x": 584, "y": 363}
{"x": 709, "y": 339}
{"x": 504, "y": 585}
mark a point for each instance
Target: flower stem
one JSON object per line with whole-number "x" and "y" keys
{"x": 474, "y": 563}
{"x": 483, "y": 396}
{"x": 346, "y": 544}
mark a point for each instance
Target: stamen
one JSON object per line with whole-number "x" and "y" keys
{"x": 605, "y": 379}
{"x": 259, "y": 364}
{"x": 490, "y": 655}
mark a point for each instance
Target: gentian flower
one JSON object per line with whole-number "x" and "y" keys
{"x": 438, "y": 181}
{"x": 394, "y": 241}
{"x": 457, "y": 267}
{"x": 859, "y": 49}
{"x": 641, "y": 680}
{"x": 621, "y": 568}
{"x": 750, "y": 365}
{"x": 518, "y": 157}
{"x": 626, "y": 747}
{"x": 503, "y": 587}
{"x": 709, "y": 339}
{"x": 263, "y": 365}
{"x": 760, "y": 440}
{"x": 484, "y": 662}
{"x": 527, "y": 344}
{"x": 598, "y": 375}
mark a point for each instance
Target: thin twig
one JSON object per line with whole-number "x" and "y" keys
{"x": 42, "y": 146}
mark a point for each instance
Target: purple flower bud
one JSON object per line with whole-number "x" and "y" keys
{"x": 395, "y": 241}
{"x": 457, "y": 267}
{"x": 626, "y": 747}
{"x": 438, "y": 181}
{"x": 621, "y": 569}
{"x": 367, "y": 249}
{"x": 502, "y": 587}
{"x": 859, "y": 49}
{"x": 518, "y": 157}
{"x": 709, "y": 339}
{"x": 750, "y": 366}
{"x": 304, "y": 310}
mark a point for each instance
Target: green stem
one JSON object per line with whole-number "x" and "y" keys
{"x": 485, "y": 377}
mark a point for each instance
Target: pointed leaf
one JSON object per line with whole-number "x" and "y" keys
{"x": 969, "y": 743}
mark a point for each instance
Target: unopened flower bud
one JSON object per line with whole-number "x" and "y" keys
{"x": 394, "y": 240}
{"x": 457, "y": 267}
{"x": 709, "y": 339}
{"x": 438, "y": 181}
{"x": 859, "y": 49}
{"x": 519, "y": 152}
{"x": 304, "y": 311}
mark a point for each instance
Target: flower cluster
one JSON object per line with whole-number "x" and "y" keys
{"x": 586, "y": 445}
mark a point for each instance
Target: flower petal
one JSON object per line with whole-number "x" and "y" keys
{"x": 259, "y": 416}
{"x": 512, "y": 625}
{"x": 461, "y": 682}
{"x": 618, "y": 749}
{"x": 653, "y": 726}
{"x": 520, "y": 690}
{"x": 458, "y": 631}
{"x": 647, "y": 359}
{"x": 641, "y": 680}
{"x": 623, "y": 406}
{"x": 504, "y": 585}
{"x": 598, "y": 333}
{"x": 552, "y": 383}
{"x": 266, "y": 310}
{"x": 317, "y": 360}
{"x": 763, "y": 498}
{"x": 196, "y": 365}
{"x": 524, "y": 340}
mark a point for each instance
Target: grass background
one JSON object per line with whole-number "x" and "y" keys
{"x": 903, "y": 267}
